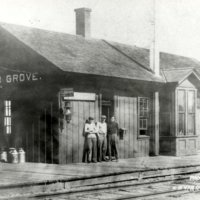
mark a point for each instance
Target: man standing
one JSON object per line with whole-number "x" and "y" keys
{"x": 91, "y": 130}
{"x": 102, "y": 134}
{"x": 113, "y": 140}
{"x": 85, "y": 144}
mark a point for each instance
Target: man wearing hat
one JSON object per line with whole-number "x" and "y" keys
{"x": 102, "y": 142}
{"x": 91, "y": 131}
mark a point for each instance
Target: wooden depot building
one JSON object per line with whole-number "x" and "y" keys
{"x": 52, "y": 82}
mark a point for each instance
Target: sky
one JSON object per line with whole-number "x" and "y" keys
{"x": 125, "y": 21}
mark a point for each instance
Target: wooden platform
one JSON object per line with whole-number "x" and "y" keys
{"x": 37, "y": 178}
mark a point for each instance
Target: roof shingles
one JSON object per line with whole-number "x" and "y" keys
{"x": 76, "y": 54}
{"x": 72, "y": 53}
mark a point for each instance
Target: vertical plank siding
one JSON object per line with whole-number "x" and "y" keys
{"x": 62, "y": 152}
{"x": 126, "y": 124}
{"x": 134, "y": 127}
{"x": 121, "y": 124}
{"x": 81, "y": 122}
{"x": 198, "y": 128}
{"x": 143, "y": 147}
{"x": 68, "y": 129}
{"x": 131, "y": 127}
{"x": 45, "y": 135}
{"x": 36, "y": 132}
{"x": 73, "y": 131}
{"x": 126, "y": 115}
{"x": 38, "y": 142}
{"x": 33, "y": 142}
{"x": 50, "y": 139}
{"x": 51, "y": 131}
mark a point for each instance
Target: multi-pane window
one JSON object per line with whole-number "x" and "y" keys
{"x": 181, "y": 111}
{"x": 191, "y": 113}
{"x": 7, "y": 116}
{"x": 143, "y": 104}
{"x": 186, "y": 112}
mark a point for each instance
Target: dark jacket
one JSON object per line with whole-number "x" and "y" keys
{"x": 113, "y": 128}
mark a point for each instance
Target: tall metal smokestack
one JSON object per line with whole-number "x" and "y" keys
{"x": 154, "y": 50}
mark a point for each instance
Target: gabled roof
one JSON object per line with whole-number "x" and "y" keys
{"x": 76, "y": 54}
{"x": 178, "y": 75}
{"x": 173, "y": 67}
{"x": 71, "y": 53}
{"x": 172, "y": 61}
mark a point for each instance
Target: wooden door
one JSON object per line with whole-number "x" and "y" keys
{"x": 126, "y": 116}
{"x": 71, "y": 139}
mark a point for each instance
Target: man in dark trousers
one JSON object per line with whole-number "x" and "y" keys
{"x": 113, "y": 141}
{"x": 85, "y": 144}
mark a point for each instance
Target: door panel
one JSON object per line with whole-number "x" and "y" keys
{"x": 126, "y": 116}
{"x": 71, "y": 139}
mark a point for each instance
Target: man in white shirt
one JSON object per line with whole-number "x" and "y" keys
{"x": 102, "y": 134}
{"x": 91, "y": 131}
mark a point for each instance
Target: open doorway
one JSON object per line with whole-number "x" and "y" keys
{"x": 107, "y": 108}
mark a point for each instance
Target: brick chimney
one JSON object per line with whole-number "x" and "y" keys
{"x": 83, "y": 22}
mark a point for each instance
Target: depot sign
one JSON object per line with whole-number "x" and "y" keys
{"x": 19, "y": 77}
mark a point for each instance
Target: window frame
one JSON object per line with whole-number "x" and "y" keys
{"x": 191, "y": 113}
{"x": 7, "y": 117}
{"x": 186, "y": 113}
{"x": 143, "y": 117}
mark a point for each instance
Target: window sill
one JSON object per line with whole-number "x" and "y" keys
{"x": 180, "y": 136}
{"x": 184, "y": 136}
{"x": 143, "y": 137}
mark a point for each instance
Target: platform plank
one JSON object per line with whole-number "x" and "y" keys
{"x": 83, "y": 174}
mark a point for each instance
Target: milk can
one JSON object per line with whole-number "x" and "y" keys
{"x": 13, "y": 155}
{"x": 21, "y": 155}
{"x": 3, "y": 155}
